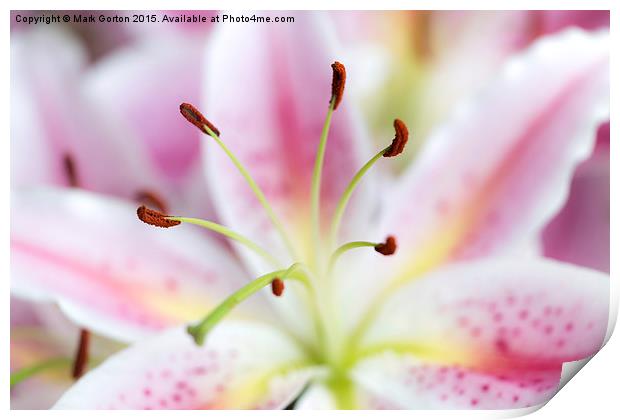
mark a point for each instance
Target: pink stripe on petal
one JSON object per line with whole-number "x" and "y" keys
{"x": 109, "y": 271}
{"x": 492, "y": 177}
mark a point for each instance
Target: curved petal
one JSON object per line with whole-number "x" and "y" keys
{"x": 494, "y": 175}
{"x": 497, "y": 314}
{"x": 52, "y": 118}
{"x": 109, "y": 271}
{"x": 30, "y": 142}
{"x": 242, "y": 365}
{"x": 267, "y": 91}
{"x": 404, "y": 382}
{"x": 140, "y": 87}
{"x": 580, "y": 232}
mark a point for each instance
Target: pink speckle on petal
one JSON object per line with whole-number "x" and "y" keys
{"x": 147, "y": 392}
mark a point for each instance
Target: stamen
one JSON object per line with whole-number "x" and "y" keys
{"x": 200, "y": 330}
{"x": 195, "y": 117}
{"x": 395, "y": 148}
{"x": 277, "y": 287}
{"x": 338, "y": 81}
{"x": 70, "y": 171}
{"x": 155, "y": 218}
{"x": 81, "y": 356}
{"x": 337, "y": 90}
{"x": 400, "y": 139}
{"x": 388, "y": 247}
{"x": 151, "y": 199}
{"x": 207, "y": 224}
{"x": 191, "y": 114}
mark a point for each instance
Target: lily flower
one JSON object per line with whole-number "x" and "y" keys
{"x": 455, "y": 309}
{"x": 71, "y": 123}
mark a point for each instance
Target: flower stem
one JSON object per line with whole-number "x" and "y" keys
{"x": 346, "y": 195}
{"x": 316, "y": 181}
{"x": 257, "y": 192}
{"x": 229, "y": 233}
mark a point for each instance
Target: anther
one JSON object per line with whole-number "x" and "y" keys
{"x": 400, "y": 139}
{"x": 191, "y": 114}
{"x": 81, "y": 356}
{"x": 151, "y": 199}
{"x": 388, "y": 247}
{"x": 338, "y": 80}
{"x": 277, "y": 287}
{"x": 69, "y": 166}
{"x": 155, "y": 218}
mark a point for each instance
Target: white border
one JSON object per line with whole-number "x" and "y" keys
{"x": 593, "y": 394}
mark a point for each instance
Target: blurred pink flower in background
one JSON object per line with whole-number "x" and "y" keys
{"x": 79, "y": 94}
{"x": 117, "y": 119}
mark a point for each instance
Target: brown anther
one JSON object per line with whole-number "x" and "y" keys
{"x": 400, "y": 139}
{"x": 151, "y": 199}
{"x": 338, "y": 80}
{"x": 81, "y": 356}
{"x": 155, "y": 218}
{"x": 388, "y": 247}
{"x": 277, "y": 287}
{"x": 191, "y": 114}
{"x": 69, "y": 166}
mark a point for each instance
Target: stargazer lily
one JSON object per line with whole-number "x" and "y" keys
{"x": 459, "y": 313}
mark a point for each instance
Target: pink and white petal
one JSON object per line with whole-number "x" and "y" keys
{"x": 110, "y": 272}
{"x": 316, "y": 397}
{"x": 267, "y": 91}
{"x": 30, "y": 143}
{"x": 497, "y": 313}
{"x": 124, "y": 87}
{"x": 550, "y": 21}
{"x": 52, "y": 118}
{"x": 580, "y": 232}
{"x": 405, "y": 382}
{"x": 490, "y": 179}
{"x": 241, "y": 365}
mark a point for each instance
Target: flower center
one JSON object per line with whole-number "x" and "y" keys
{"x": 316, "y": 274}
